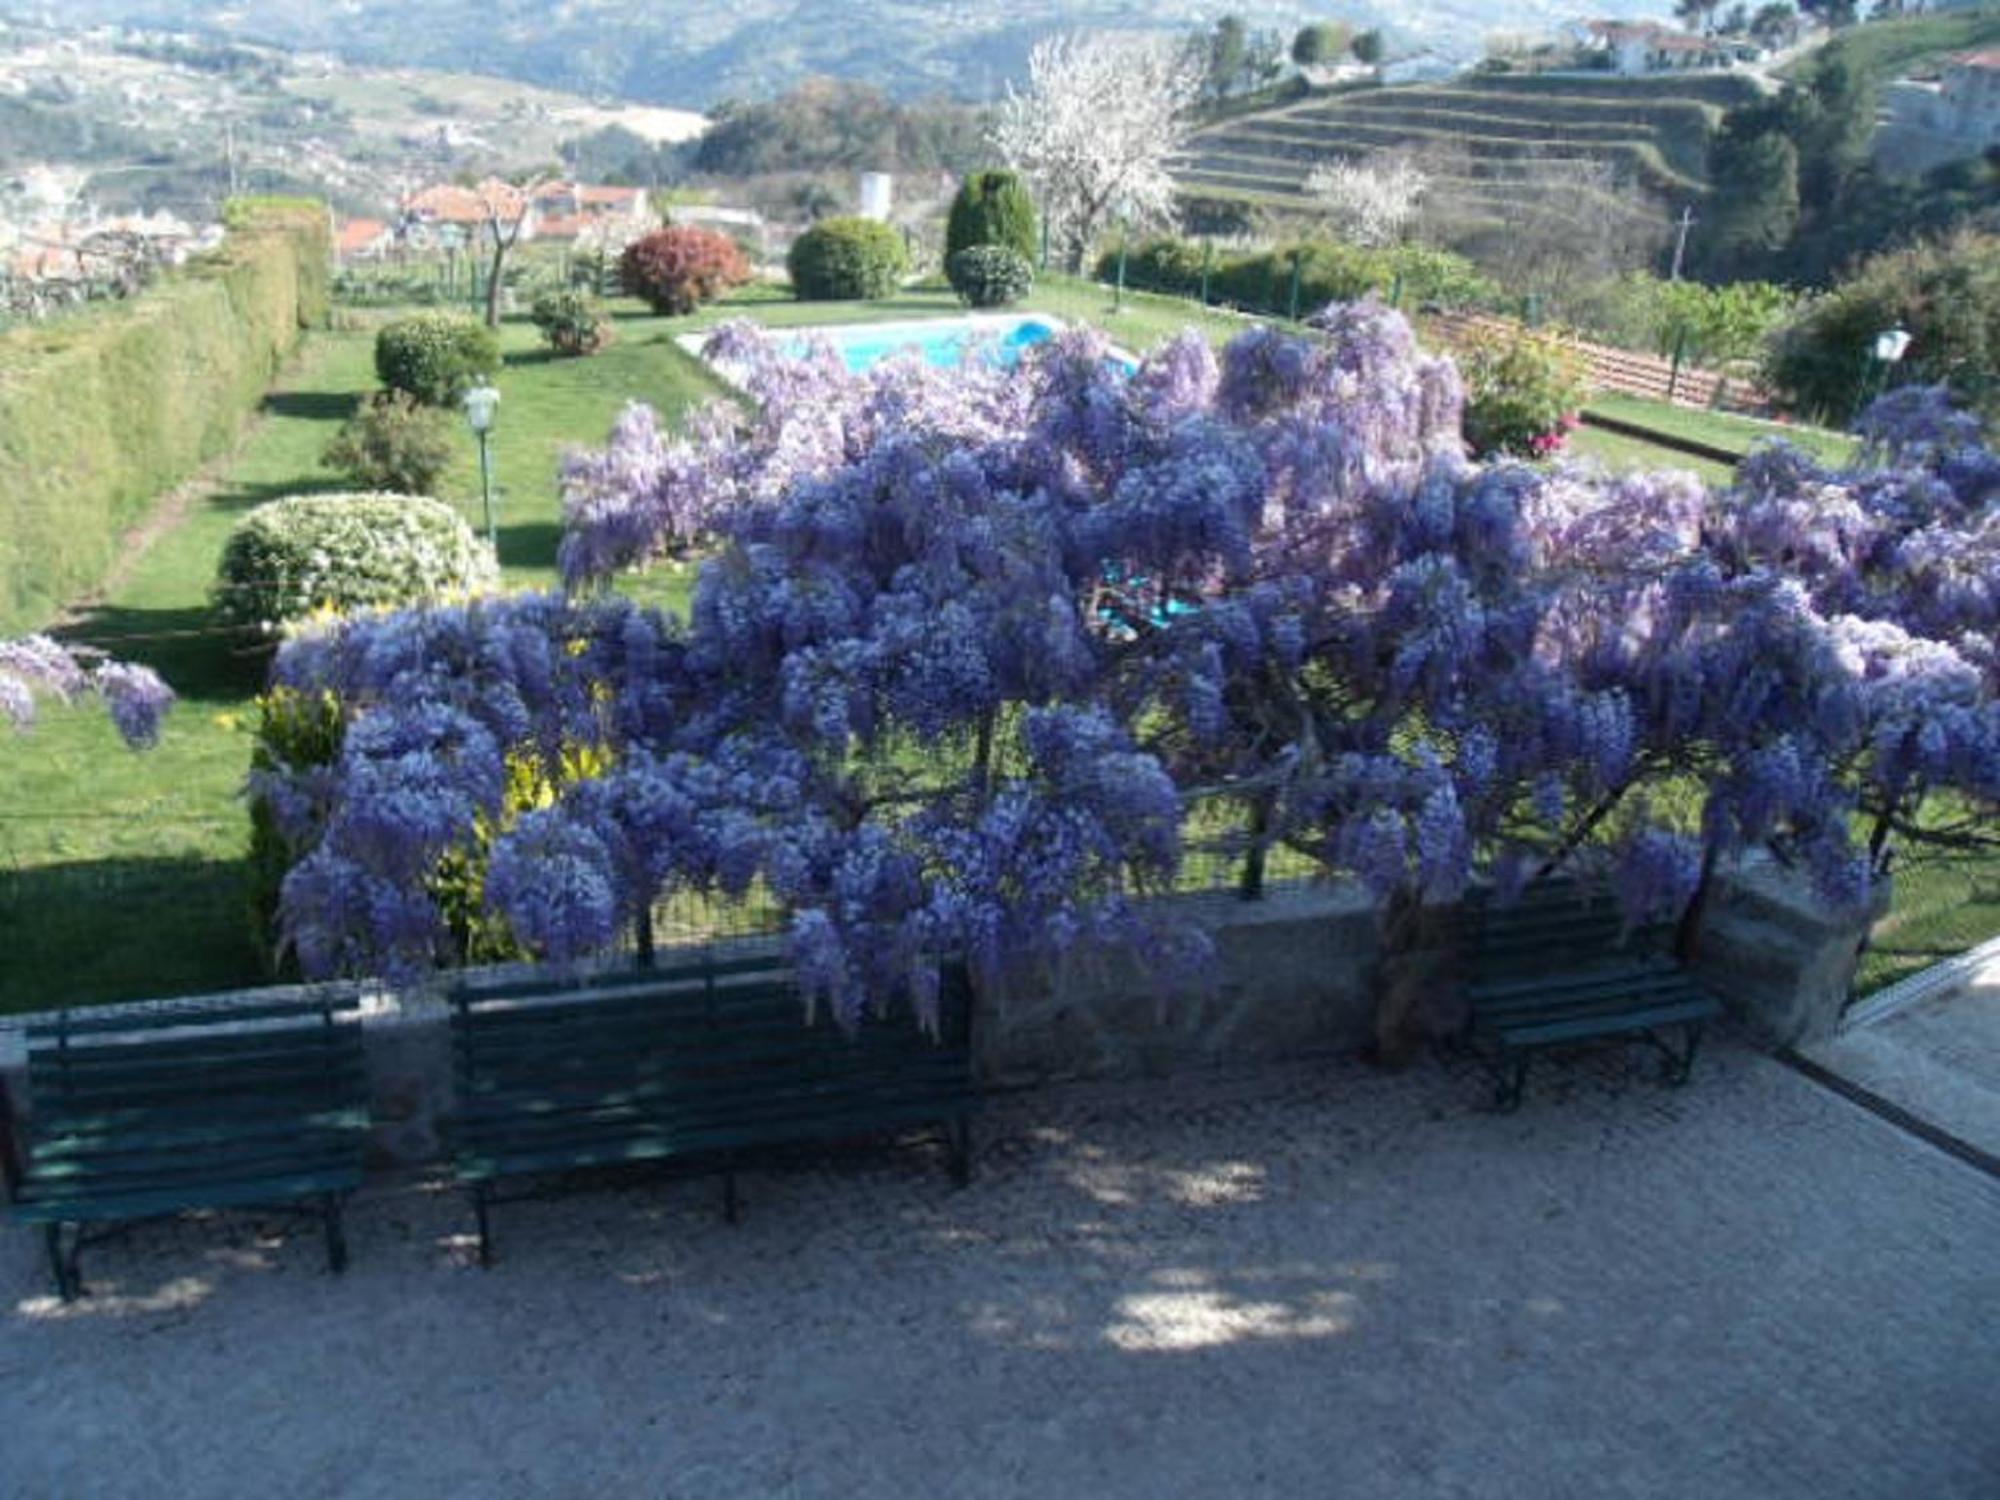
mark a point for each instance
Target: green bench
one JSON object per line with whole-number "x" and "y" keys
{"x": 142, "y": 1116}
{"x": 1559, "y": 968}
{"x": 702, "y": 1060}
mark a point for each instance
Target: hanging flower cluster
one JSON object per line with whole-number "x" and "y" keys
{"x": 965, "y": 642}
{"x": 35, "y": 665}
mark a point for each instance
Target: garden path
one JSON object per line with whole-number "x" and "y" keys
{"x": 1314, "y": 1280}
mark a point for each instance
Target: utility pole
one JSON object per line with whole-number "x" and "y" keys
{"x": 1681, "y": 241}
{"x": 229, "y": 151}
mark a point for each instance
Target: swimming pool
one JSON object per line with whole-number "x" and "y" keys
{"x": 944, "y": 342}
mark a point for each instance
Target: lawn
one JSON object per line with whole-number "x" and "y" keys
{"x": 1726, "y": 430}
{"x": 1619, "y": 453}
{"x": 122, "y": 875}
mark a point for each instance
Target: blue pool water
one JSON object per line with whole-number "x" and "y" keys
{"x": 946, "y": 345}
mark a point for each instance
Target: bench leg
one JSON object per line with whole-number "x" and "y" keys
{"x": 1512, "y": 1083}
{"x": 1681, "y": 1064}
{"x": 64, "y": 1267}
{"x": 485, "y": 1229}
{"x": 336, "y": 1236}
{"x": 958, "y": 1140}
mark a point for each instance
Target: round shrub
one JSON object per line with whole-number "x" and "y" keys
{"x": 676, "y": 269}
{"x": 436, "y": 357}
{"x": 990, "y": 275}
{"x": 572, "y": 323}
{"x": 842, "y": 259}
{"x": 992, "y": 208}
{"x": 291, "y": 557}
{"x": 1522, "y": 392}
{"x": 394, "y": 442}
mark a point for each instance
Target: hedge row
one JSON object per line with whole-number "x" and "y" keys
{"x": 1328, "y": 270}
{"x": 102, "y": 411}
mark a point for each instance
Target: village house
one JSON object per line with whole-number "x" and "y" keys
{"x": 558, "y": 212}
{"x": 1636, "y": 49}
{"x": 363, "y": 239}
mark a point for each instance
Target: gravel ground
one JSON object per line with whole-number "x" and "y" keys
{"x": 1307, "y": 1281}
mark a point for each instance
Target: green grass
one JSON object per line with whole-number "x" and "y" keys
{"x": 1620, "y": 454}
{"x": 122, "y": 875}
{"x": 1942, "y": 906}
{"x": 1888, "y": 49}
{"x": 1725, "y": 429}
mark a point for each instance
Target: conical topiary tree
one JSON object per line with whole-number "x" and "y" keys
{"x": 992, "y": 208}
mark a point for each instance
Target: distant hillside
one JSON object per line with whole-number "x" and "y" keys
{"x": 157, "y": 122}
{"x": 1886, "y": 50}
{"x": 1488, "y": 138}
{"x": 698, "y": 55}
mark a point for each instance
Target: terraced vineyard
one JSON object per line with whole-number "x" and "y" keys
{"x": 1489, "y": 142}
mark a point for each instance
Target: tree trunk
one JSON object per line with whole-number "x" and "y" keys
{"x": 1420, "y": 994}
{"x": 500, "y": 248}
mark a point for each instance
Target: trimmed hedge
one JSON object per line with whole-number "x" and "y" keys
{"x": 394, "y": 443}
{"x": 289, "y": 558}
{"x": 435, "y": 356}
{"x": 843, "y": 259}
{"x": 1329, "y": 271}
{"x": 102, "y": 411}
{"x": 990, "y": 275}
{"x": 573, "y": 324}
{"x": 992, "y": 208}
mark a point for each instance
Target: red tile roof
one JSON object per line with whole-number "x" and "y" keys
{"x": 359, "y": 234}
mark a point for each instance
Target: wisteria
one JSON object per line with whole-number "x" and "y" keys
{"x": 35, "y": 665}
{"x": 966, "y": 645}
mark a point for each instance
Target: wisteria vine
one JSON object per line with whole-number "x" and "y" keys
{"x": 966, "y": 643}
{"x": 35, "y": 666}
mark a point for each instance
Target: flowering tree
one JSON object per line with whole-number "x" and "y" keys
{"x": 965, "y": 646}
{"x": 1370, "y": 203}
{"x": 1102, "y": 116}
{"x": 32, "y": 665}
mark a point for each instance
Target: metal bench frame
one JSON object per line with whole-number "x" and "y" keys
{"x": 257, "y": 1107}
{"x": 682, "y": 1026}
{"x": 1560, "y": 969}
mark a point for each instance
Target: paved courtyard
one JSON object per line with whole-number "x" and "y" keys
{"x": 1309, "y": 1281}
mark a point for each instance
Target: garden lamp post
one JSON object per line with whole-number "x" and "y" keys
{"x": 480, "y": 404}
{"x": 1123, "y": 209}
{"x": 1890, "y": 346}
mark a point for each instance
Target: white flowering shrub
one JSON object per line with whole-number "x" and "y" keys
{"x": 290, "y": 558}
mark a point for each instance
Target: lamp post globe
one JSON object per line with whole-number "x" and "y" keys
{"x": 482, "y": 402}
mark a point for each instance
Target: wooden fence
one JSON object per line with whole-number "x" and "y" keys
{"x": 1613, "y": 369}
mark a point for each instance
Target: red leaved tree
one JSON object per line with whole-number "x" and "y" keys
{"x": 680, "y": 267}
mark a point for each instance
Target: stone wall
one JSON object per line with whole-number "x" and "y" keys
{"x": 1298, "y": 973}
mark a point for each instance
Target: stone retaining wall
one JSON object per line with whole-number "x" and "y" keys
{"x": 1298, "y": 974}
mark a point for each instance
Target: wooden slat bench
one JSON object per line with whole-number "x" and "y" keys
{"x": 704, "y": 1060}
{"x": 142, "y": 1116}
{"x": 1559, "y": 968}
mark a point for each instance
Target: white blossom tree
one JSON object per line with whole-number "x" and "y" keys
{"x": 1372, "y": 202}
{"x": 1102, "y": 116}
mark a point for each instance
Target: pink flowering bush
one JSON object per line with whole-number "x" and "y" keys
{"x": 1523, "y": 392}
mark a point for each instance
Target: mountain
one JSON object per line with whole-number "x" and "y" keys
{"x": 696, "y": 55}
